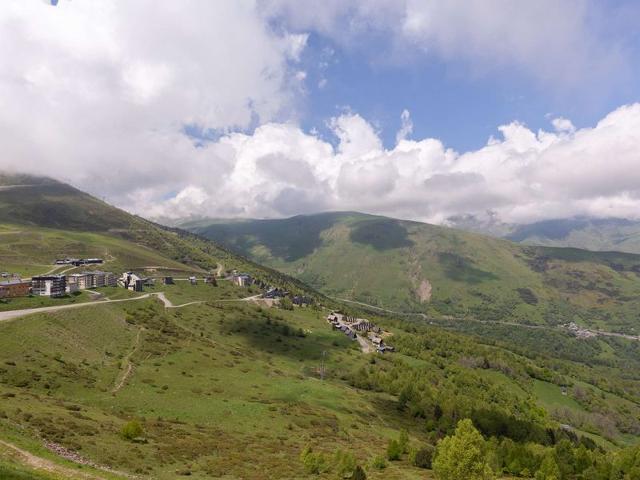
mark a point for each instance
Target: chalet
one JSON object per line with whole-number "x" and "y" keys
{"x": 168, "y": 281}
{"x": 131, "y": 281}
{"x": 14, "y": 288}
{"x": 193, "y": 280}
{"x": 210, "y": 280}
{"x": 49, "y": 285}
{"x": 241, "y": 279}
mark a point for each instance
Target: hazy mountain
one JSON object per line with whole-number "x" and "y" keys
{"x": 411, "y": 266}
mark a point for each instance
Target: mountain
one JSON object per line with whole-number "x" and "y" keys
{"x": 415, "y": 267}
{"x": 207, "y": 382}
{"x": 42, "y": 219}
{"x": 597, "y": 234}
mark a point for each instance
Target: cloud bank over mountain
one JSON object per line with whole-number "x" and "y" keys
{"x": 177, "y": 109}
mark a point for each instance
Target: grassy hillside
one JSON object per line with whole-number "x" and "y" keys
{"x": 410, "y": 266}
{"x": 222, "y": 387}
{"x": 42, "y": 219}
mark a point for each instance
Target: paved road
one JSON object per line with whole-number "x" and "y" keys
{"x": 12, "y": 314}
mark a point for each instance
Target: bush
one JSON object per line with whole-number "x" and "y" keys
{"x": 423, "y": 457}
{"x": 394, "y": 450}
{"x": 379, "y": 462}
{"x": 358, "y": 474}
{"x": 131, "y": 430}
{"x": 403, "y": 441}
{"x": 462, "y": 455}
{"x": 286, "y": 303}
{"x": 345, "y": 464}
{"x": 314, "y": 463}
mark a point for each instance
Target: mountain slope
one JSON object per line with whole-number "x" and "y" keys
{"x": 599, "y": 234}
{"x": 218, "y": 386}
{"x": 411, "y": 266}
{"x": 42, "y": 219}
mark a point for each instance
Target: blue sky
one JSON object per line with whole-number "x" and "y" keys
{"x": 447, "y": 99}
{"x": 269, "y": 108}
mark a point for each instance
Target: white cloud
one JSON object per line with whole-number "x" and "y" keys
{"x": 521, "y": 176}
{"x": 561, "y": 44}
{"x": 101, "y": 91}
{"x": 406, "y": 127}
{"x": 89, "y": 96}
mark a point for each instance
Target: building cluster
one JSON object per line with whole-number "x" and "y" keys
{"x": 241, "y": 279}
{"x": 578, "y": 331}
{"x": 351, "y": 325}
{"x": 136, "y": 283}
{"x": 77, "y": 262}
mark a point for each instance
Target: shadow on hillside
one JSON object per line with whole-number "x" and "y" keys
{"x": 276, "y": 337}
{"x": 461, "y": 269}
{"x": 289, "y": 239}
{"x": 382, "y": 234}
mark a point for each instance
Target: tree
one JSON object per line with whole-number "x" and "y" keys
{"x": 549, "y": 469}
{"x": 314, "y": 463}
{"x": 286, "y": 303}
{"x": 403, "y": 441}
{"x": 423, "y": 457}
{"x": 358, "y": 474}
{"x": 394, "y": 450}
{"x": 345, "y": 464}
{"x": 462, "y": 455}
{"x": 131, "y": 430}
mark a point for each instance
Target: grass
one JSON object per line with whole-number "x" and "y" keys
{"x": 383, "y": 262}
{"x": 252, "y": 399}
{"x": 34, "y": 301}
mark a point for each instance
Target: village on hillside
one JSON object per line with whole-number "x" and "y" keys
{"x": 57, "y": 285}
{"x": 369, "y": 336}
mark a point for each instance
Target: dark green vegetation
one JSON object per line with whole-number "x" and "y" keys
{"x": 228, "y": 388}
{"x": 590, "y": 233}
{"x": 597, "y": 234}
{"x": 414, "y": 267}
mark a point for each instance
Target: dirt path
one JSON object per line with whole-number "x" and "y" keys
{"x": 365, "y": 345}
{"x": 11, "y": 314}
{"x": 169, "y": 304}
{"x": 129, "y": 369}
{"x": 39, "y": 463}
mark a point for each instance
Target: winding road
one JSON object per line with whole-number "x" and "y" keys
{"x": 13, "y": 314}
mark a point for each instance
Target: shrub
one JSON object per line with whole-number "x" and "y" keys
{"x": 358, "y": 474}
{"x": 394, "y": 450}
{"x": 314, "y": 463}
{"x": 423, "y": 457}
{"x": 131, "y": 430}
{"x": 403, "y": 441}
{"x": 379, "y": 462}
{"x": 345, "y": 464}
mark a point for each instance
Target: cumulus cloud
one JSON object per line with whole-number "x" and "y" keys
{"x": 519, "y": 176}
{"x": 101, "y": 91}
{"x": 561, "y": 44}
{"x": 89, "y": 96}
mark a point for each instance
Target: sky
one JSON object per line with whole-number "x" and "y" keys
{"x": 423, "y": 110}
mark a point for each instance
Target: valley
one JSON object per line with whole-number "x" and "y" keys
{"x": 202, "y": 379}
